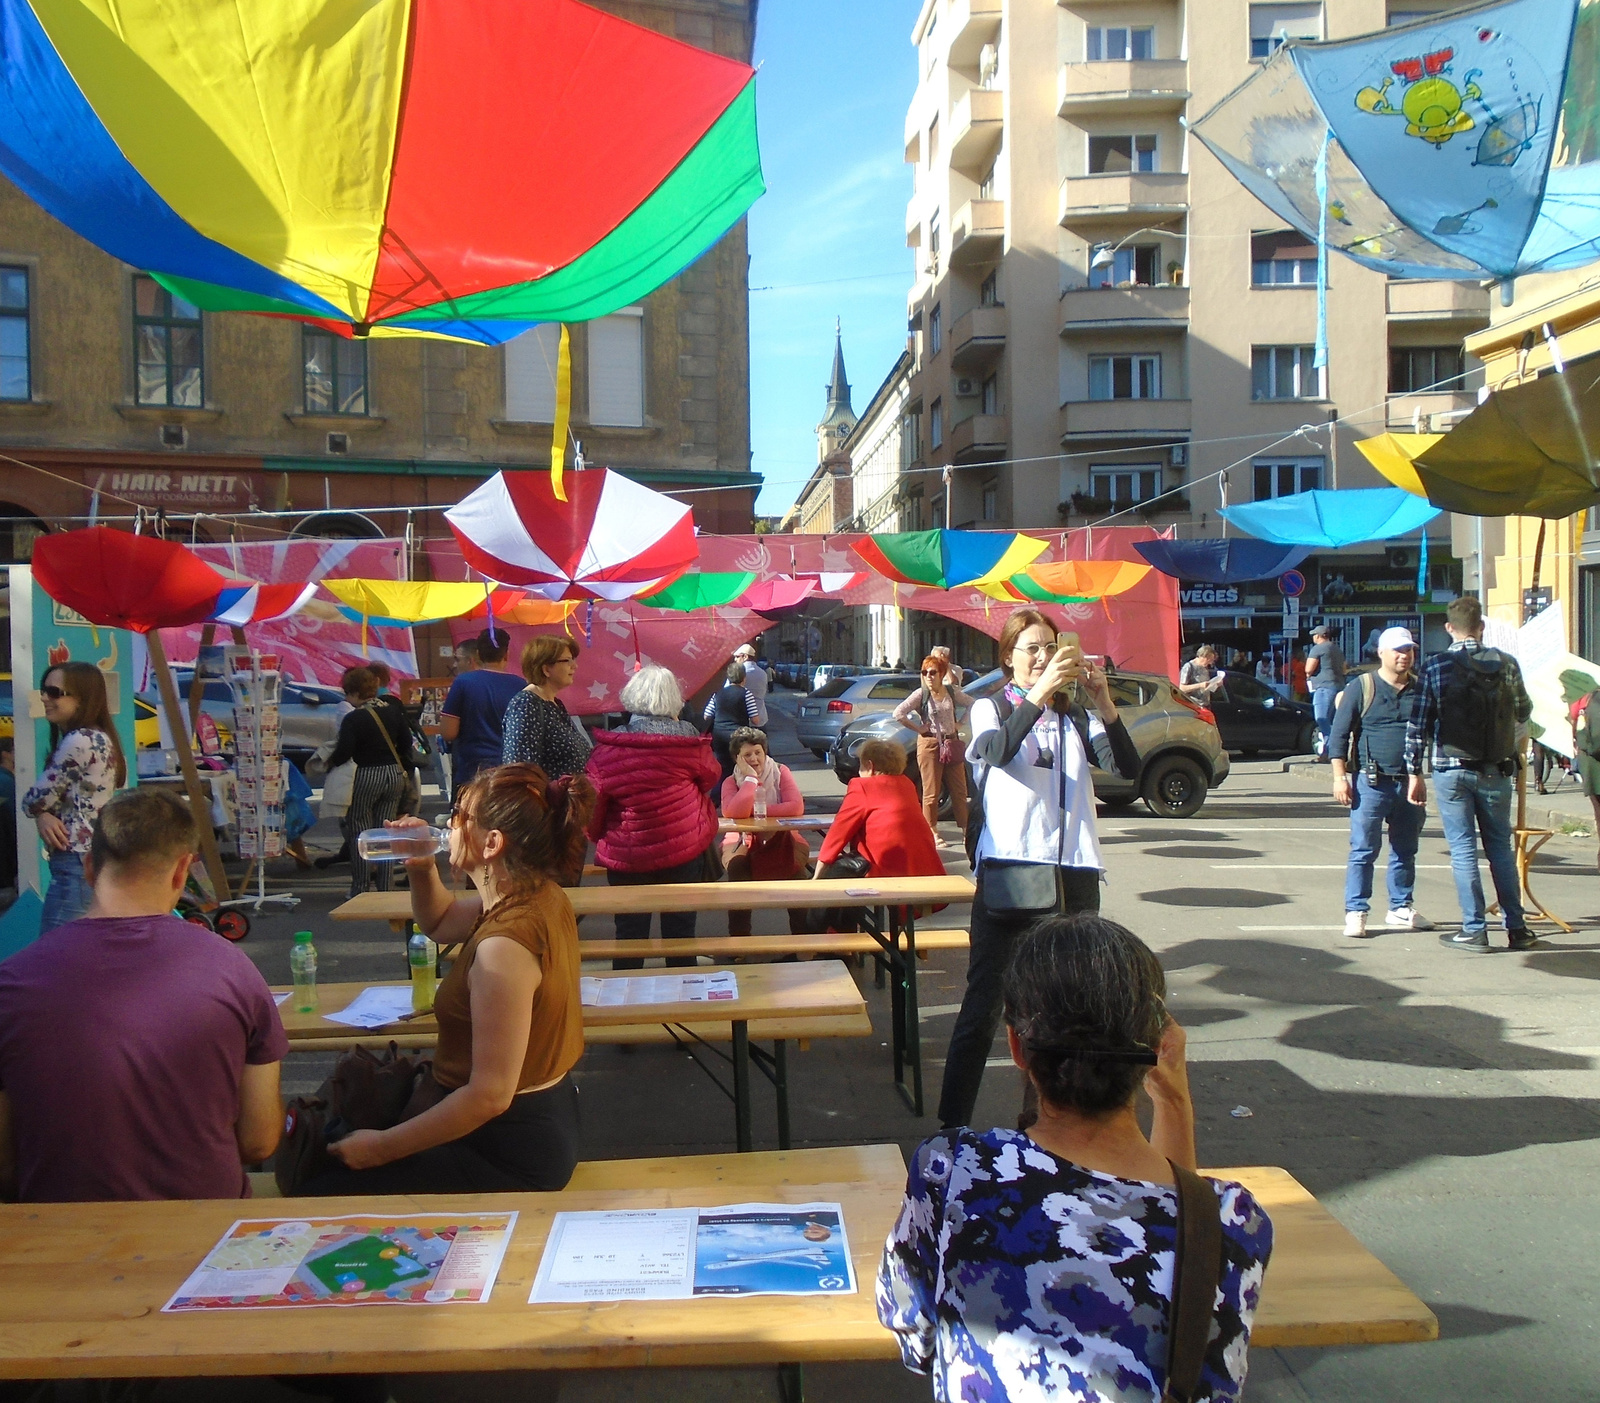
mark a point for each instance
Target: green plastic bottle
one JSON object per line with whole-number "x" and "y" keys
{"x": 303, "y": 970}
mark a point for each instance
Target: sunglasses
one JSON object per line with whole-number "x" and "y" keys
{"x": 51, "y": 693}
{"x": 931, "y": 672}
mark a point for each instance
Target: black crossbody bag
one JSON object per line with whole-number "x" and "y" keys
{"x": 1011, "y": 887}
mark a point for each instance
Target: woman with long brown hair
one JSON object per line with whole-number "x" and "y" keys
{"x": 86, "y": 767}
{"x": 509, "y": 1014}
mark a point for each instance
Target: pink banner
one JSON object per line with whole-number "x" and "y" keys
{"x": 319, "y": 643}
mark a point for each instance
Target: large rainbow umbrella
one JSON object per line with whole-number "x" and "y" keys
{"x": 382, "y": 166}
{"x": 949, "y": 559}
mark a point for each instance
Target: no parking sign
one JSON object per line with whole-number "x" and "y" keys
{"x": 1291, "y": 584}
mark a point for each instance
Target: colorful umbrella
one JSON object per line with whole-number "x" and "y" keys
{"x": 613, "y": 540}
{"x": 949, "y": 559}
{"x": 778, "y": 593}
{"x": 1461, "y": 145}
{"x": 1526, "y": 451}
{"x": 401, "y": 603}
{"x": 393, "y": 167}
{"x": 1070, "y": 582}
{"x": 698, "y": 590}
{"x": 1333, "y": 519}
{"x": 515, "y": 606}
{"x": 1221, "y": 562}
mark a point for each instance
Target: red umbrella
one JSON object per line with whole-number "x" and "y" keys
{"x": 777, "y": 593}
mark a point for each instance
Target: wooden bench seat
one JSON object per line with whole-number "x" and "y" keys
{"x": 721, "y": 947}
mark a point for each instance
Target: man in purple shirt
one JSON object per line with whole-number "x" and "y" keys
{"x": 138, "y": 1053}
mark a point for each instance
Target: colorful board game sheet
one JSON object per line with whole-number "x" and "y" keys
{"x": 418, "y": 1259}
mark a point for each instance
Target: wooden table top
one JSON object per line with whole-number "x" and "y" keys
{"x": 813, "y": 989}
{"x": 91, "y": 1279}
{"x": 709, "y": 896}
{"x": 818, "y": 822}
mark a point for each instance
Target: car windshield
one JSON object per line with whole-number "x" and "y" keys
{"x": 834, "y": 687}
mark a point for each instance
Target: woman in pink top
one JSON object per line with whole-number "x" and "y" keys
{"x": 762, "y": 857}
{"x": 930, "y": 711}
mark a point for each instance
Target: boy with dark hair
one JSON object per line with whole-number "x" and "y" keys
{"x": 166, "y": 1085}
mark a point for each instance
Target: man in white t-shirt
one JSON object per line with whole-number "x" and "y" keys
{"x": 755, "y": 680}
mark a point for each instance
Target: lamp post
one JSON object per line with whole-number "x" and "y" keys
{"x": 1104, "y": 255}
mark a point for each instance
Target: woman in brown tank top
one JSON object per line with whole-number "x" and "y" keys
{"x": 510, "y": 1020}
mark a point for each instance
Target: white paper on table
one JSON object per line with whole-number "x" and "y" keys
{"x": 374, "y": 1007}
{"x": 640, "y": 989}
{"x": 643, "y": 1255}
{"x": 281, "y": 999}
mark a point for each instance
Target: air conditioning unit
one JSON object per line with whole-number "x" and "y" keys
{"x": 1399, "y": 558}
{"x": 174, "y": 436}
{"x": 338, "y": 443}
{"x": 966, "y": 387}
{"x": 1178, "y": 455}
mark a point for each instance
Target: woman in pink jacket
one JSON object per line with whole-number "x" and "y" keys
{"x": 653, "y": 821}
{"x": 762, "y": 857}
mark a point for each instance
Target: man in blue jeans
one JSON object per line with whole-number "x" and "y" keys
{"x": 1467, "y": 719}
{"x": 1325, "y": 671}
{"x": 1369, "y": 734}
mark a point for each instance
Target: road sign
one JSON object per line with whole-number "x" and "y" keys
{"x": 1291, "y": 584}
{"x": 1291, "y": 616}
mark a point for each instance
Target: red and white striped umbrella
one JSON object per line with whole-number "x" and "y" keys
{"x": 612, "y": 538}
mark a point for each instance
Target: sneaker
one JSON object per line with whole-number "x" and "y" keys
{"x": 1407, "y": 918}
{"x": 1473, "y": 944}
{"x": 1355, "y": 925}
{"x": 1523, "y": 939}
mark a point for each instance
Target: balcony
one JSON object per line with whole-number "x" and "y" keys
{"x": 977, "y": 232}
{"x": 913, "y": 226}
{"x": 1163, "y": 308}
{"x": 971, "y": 24}
{"x": 977, "y": 339}
{"x": 1444, "y": 301}
{"x": 1159, "y": 419}
{"x": 1122, "y": 86}
{"x": 981, "y": 436}
{"x": 1099, "y": 202}
{"x": 977, "y": 122}
{"x": 1430, "y": 412}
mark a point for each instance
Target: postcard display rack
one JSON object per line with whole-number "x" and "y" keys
{"x": 258, "y": 780}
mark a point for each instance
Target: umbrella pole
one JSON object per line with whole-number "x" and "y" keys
{"x": 199, "y": 803}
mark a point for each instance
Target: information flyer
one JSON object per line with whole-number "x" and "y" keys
{"x": 421, "y": 1259}
{"x": 669, "y": 1254}
{"x": 638, "y": 989}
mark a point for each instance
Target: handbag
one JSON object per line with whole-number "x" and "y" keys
{"x": 363, "y": 1092}
{"x": 1196, "y": 1270}
{"x": 849, "y": 865}
{"x": 1020, "y": 889}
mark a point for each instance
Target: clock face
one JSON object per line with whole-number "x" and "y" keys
{"x": 844, "y": 430}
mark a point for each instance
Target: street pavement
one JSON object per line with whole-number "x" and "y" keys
{"x": 1444, "y": 1106}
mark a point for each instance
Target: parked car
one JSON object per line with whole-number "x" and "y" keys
{"x": 309, "y": 713}
{"x": 1181, "y": 754}
{"x": 827, "y": 671}
{"x": 841, "y": 700}
{"x": 1252, "y": 717}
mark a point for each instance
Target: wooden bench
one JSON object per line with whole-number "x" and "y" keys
{"x": 721, "y": 947}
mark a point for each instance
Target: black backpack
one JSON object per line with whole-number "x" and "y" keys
{"x": 1478, "y": 708}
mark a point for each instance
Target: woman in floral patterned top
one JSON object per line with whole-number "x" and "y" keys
{"x": 86, "y": 767}
{"x": 1038, "y": 1263}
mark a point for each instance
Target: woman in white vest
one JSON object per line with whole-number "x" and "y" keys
{"x": 1037, "y": 854}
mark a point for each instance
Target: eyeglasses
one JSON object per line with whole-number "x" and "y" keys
{"x": 931, "y": 672}
{"x": 1036, "y": 650}
{"x": 51, "y": 693}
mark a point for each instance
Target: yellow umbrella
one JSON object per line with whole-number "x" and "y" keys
{"x": 1394, "y": 455}
{"x": 400, "y": 602}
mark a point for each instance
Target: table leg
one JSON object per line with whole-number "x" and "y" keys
{"x": 897, "y": 994}
{"x": 741, "y": 1084}
{"x": 913, "y": 1035}
{"x": 792, "y": 1383}
{"x": 780, "y": 1085}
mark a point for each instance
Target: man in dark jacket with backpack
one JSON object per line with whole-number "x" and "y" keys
{"x": 1466, "y": 720}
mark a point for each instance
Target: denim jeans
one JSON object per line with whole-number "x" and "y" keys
{"x": 1465, "y": 796}
{"x": 1324, "y": 702}
{"x": 1377, "y": 803}
{"x": 68, "y": 895}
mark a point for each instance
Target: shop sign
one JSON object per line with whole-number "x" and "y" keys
{"x": 177, "y": 490}
{"x": 1357, "y": 591}
{"x": 1206, "y": 596}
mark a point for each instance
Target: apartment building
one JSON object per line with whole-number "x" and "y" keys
{"x": 1105, "y": 322}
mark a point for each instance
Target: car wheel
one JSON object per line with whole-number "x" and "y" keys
{"x": 1306, "y": 742}
{"x": 820, "y": 754}
{"x": 1174, "y": 787}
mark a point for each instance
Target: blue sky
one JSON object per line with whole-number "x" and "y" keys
{"x": 836, "y": 77}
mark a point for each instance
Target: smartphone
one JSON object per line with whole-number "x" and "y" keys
{"x": 1075, "y": 692}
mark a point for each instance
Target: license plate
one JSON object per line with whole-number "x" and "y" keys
{"x": 810, "y": 710}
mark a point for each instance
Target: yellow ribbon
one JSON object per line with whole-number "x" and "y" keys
{"x": 558, "y": 443}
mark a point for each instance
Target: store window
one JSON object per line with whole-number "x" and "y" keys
{"x": 168, "y": 349}
{"x": 19, "y": 529}
{"x": 1283, "y": 477}
{"x": 1285, "y": 372}
{"x": 1125, "y": 377}
{"x": 16, "y": 360}
{"x": 335, "y": 373}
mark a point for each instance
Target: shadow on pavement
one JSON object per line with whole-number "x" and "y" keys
{"x": 1285, "y": 974}
{"x": 1427, "y": 1035}
{"x": 1171, "y": 835}
{"x": 1202, "y": 852}
{"x": 1214, "y": 896}
{"x": 1569, "y": 963}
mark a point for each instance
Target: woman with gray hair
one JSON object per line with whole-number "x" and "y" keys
{"x": 653, "y": 821}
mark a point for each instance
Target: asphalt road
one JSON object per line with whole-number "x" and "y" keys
{"x": 1446, "y": 1107}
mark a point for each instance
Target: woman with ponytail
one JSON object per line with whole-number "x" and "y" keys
{"x": 504, "y": 1116}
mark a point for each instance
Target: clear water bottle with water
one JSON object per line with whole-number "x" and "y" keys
{"x": 419, "y": 955}
{"x": 399, "y": 844}
{"x": 761, "y": 805}
{"x": 303, "y": 970}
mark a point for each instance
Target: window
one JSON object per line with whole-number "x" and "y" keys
{"x": 616, "y": 370}
{"x": 19, "y": 529}
{"x": 1271, "y": 25}
{"x": 1123, "y": 486}
{"x": 933, "y": 238}
{"x": 1284, "y": 477}
{"x": 1406, "y": 16}
{"x": 936, "y": 424}
{"x": 986, "y": 185}
{"x": 1283, "y": 259}
{"x": 1138, "y": 264}
{"x": 16, "y": 379}
{"x": 989, "y": 290}
{"x": 1119, "y": 43}
{"x": 167, "y": 347}
{"x": 935, "y": 330}
{"x": 531, "y": 375}
{"x": 1124, "y": 377}
{"x": 1284, "y": 372}
{"x": 991, "y": 501}
{"x": 1415, "y": 369}
{"x": 335, "y": 373}
{"x": 991, "y": 395}
{"x": 933, "y": 141}
{"x": 1113, "y": 155}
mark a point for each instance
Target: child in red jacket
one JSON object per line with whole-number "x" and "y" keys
{"x": 882, "y": 817}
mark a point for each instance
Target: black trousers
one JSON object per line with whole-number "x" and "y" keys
{"x": 532, "y": 1145}
{"x": 675, "y": 925}
{"x": 994, "y": 938}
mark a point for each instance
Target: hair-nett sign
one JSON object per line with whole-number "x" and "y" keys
{"x": 178, "y": 491}
{"x": 1191, "y": 595}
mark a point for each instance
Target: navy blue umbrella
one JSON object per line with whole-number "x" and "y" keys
{"x": 1222, "y": 562}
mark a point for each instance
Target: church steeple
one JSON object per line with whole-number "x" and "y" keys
{"x": 839, "y": 418}
{"x": 839, "y": 387}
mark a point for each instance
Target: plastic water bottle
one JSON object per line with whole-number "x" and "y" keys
{"x": 419, "y": 955}
{"x": 761, "y": 805}
{"x": 398, "y": 844}
{"x": 303, "y": 970}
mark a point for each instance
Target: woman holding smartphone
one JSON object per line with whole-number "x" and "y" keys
{"x": 1038, "y": 854}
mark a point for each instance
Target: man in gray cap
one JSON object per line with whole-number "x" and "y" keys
{"x": 755, "y": 680}
{"x": 1325, "y": 671}
{"x": 1369, "y": 736}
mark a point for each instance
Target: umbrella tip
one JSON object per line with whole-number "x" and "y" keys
{"x": 362, "y": 329}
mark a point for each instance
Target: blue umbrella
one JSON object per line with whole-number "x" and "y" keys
{"x": 1334, "y": 519}
{"x": 1221, "y": 562}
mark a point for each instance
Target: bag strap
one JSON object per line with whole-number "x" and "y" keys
{"x": 1196, "y": 1271}
{"x": 388, "y": 740}
{"x": 1002, "y": 709}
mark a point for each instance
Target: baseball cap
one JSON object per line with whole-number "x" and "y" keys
{"x": 1396, "y": 638}
{"x": 744, "y": 648}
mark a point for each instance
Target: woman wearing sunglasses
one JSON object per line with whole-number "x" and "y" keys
{"x": 931, "y": 712}
{"x": 86, "y": 767}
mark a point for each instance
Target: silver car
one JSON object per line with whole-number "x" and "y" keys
{"x": 842, "y": 700}
{"x": 1181, "y": 755}
{"x": 309, "y": 712}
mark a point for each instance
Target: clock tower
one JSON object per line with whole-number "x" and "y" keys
{"x": 840, "y": 419}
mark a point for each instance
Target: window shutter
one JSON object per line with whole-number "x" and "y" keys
{"x": 531, "y": 375}
{"x": 616, "y": 370}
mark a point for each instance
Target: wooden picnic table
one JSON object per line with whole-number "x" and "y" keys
{"x": 89, "y": 1280}
{"x": 891, "y": 921}
{"x": 817, "y": 989}
{"x": 819, "y": 823}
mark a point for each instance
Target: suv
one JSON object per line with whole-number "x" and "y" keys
{"x": 1180, "y": 753}
{"x": 841, "y": 700}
